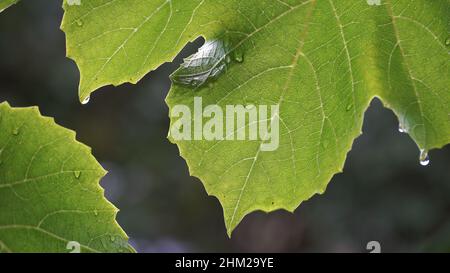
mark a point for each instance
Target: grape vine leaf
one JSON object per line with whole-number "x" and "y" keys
{"x": 4, "y": 4}
{"x": 50, "y": 198}
{"x": 321, "y": 61}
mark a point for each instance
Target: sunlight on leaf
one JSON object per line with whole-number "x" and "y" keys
{"x": 50, "y": 197}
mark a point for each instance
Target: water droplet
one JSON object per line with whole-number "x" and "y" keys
{"x": 401, "y": 128}
{"x": 79, "y": 22}
{"x": 424, "y": 158}
{"x": 349, "y": 107}
{"x": 238, "y": 56}
{"x": 206, "y": 65}
{"x": 77, "y": 174}
{"x": 113, "y": 238}
{"x": 95, "y": 212}
{"x": 16, "y": 131}
{"x": 447, "y": 42}
{"x": 86, "y": 100}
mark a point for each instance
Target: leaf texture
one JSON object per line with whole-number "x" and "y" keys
{"x": 50, "y": 196}
{"x": 321, "y": 61}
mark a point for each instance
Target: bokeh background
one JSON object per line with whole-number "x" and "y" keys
{"x": 383, "y": 194}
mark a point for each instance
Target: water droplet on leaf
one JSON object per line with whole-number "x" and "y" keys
{"x": 86, "y": 100}
{"x": 424, "y": 158}
{"x": 238, "y": 56}
{"x": 79, "y": 22}
{"x": 349, "y": 107}
{"x": 206, "y": 65}
{"x": 77, "y": 174}
{"x": 401, "y": 128}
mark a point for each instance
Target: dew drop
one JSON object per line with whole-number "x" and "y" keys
{"x": 228, "y": 59}
{"x": 86, "y": 100}
{"x": 113, "y": 238}
{"x": 95, "y": 212}
{"x": 424, "y": 158}
{"x": 77, "y": 174}
{"x": 238, "y": 56}
{"x": 79, "y": 22}
{"x": 401, "y": 128}
{"x": 348, "y": 107}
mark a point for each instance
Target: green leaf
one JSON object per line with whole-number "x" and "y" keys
{"x": 49, "y": 189}
{"x": 321, "y": 61}
{"x": 4, "y": 4}
{"x": 120, "y": 41}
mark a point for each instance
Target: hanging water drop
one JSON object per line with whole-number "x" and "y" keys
{"x": 86, "y": 100}
{"x": 424, "y": 158}
{"x": 401, "y": 128}
{"x": 77, "y": 174}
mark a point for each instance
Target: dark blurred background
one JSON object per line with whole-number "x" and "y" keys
{"x": 383, "y": 194}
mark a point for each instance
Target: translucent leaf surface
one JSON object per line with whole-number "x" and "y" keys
{"x": 50, "y": 198}
{"x": 321, "y": 61}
